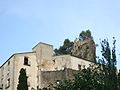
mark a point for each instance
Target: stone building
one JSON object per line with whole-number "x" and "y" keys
{"x": 42, "y": 67}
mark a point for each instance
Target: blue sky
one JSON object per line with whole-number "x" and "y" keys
{"x": 24, "y": 23}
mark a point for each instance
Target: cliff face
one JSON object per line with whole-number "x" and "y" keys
{"x": 85, "y": 49}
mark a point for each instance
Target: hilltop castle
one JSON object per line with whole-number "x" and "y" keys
{"x": 42, "y": 67}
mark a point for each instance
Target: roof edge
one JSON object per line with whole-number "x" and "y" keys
{"x": 14, "y": 55}
{"x": 41, "y": 43}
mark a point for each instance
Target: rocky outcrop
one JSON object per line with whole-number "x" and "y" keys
{"x": 85, "y": 49}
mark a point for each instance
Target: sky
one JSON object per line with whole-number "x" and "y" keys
{"x": 24, "y": 23}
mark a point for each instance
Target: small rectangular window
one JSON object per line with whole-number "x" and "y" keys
{"x": 26, "y": 61}
{"x": 8, "y": 82}
{"x": 79, "y": 66}
{"x": 37, "y": 87}
{"x": 8, "y": 62}
{"x": 8, "y": 65}
{"x": 7, "y": 85}
{"x": 2, "y": 87}
{"x": 28, "y": 83}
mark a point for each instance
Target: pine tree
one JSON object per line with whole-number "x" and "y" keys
{"x": 65, "y": 49}
{"x": 22, "y": 85}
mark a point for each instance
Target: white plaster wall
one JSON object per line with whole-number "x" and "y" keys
{"x": 7, "y": 73}
{"x": 62, "y": 62}
{"x": 77, "y": 61}
{"x": 1, "y": 76}
{"x": 56, "y": 63}
{"x": 30, "y": 70}
{"x": 43, "y": 51}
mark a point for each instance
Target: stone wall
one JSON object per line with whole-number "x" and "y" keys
{"x": 31, "y": 69}
{"x": 6, "y": 72}
{"x": 48, "y": 77}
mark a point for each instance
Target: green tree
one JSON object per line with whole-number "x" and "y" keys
{"x": 22, "y": 84}
{"x": 85, "y": 35}
{"x": 119, "y": 80}
{"x": 65, "y": 49}
{"x": 108, "y": 63}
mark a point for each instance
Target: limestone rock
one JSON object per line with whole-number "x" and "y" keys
{"x": 85, "y": 49}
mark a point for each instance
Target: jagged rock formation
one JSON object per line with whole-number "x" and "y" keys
{"x": 85, "y": 49}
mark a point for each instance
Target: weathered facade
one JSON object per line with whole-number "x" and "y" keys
{"x": 41, "y": 67}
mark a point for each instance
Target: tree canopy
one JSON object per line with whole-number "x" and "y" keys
{"x": 65, "y": 48}
{"x": 108, "y": 62}
{"x": 85, "y": 35}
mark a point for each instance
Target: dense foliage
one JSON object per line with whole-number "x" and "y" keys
{"x": 22, "y": 84}
{"x": 85, "y": 35}
{"x": 108, "y": 63}
{"x": 65, "y": 49}
{"x": 68, "y": 45}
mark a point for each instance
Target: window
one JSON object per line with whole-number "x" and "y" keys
{"x": 8, "y": 65}
{"x": 2, "y": 87}
{"x": 3, "y": 72}
{"x": 8, "y": 62}
{"x": 79, "y": 47}
{"x": 28, "y": 83}
{"x": 7, "y": 85}
{"x": 26, "y": 61}
{"x": 8, "y": 82}
{"x": 79, "y": 66}
{"x": 37, "y": 87}
{"x": 87, "y": 47}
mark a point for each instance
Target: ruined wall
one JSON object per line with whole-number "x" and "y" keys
{"x": 56, "y": 63}
{"x": 54, "y": 76}
{"x": 85, "y": 49}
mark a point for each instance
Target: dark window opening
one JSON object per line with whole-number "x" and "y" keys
{"x": 87, "y": 47}
{"x": 7, "y": 85}
{"x": 79, "y": 47}
{"x": 79, "y": 66}
{"x": 2, "y": 87}
{"x": 26, "y": 61}
{"x": 8, "y": 62}
{"x": 37, "y": 87}
{"x": 8, "y": 82}
{"x": 8, "y": 65}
